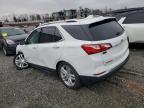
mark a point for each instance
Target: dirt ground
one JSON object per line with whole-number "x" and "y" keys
{"x": 33, "y": 88}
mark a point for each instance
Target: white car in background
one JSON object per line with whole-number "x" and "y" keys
{"x": 133, "y": 23}
{"x": 78, "y": 50}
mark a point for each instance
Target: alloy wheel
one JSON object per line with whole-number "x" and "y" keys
{"x": 20, "y": 61}
{"x": 67, "y": 75}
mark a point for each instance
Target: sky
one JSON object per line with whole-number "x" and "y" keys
{"x": 9, "y": 7}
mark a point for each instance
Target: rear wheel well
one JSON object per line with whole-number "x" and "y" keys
{"x": 59, "y": 64}
{"x": 77, "y": 78}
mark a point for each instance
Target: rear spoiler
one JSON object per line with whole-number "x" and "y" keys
{"x": 102, "y": 22}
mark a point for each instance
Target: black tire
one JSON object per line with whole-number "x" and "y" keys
{"x": 14, "y": 61}
{"x": 77, "y": 84}
{"x": 5, "y": 51}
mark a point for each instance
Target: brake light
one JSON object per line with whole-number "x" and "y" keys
{"x": 95, "y": 48}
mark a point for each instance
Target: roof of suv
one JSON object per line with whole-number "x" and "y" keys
{"x": 76, "y": 21}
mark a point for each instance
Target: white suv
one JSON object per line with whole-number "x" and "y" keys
{"x": 133, "y": 23}
{"x": 78, "y": 50}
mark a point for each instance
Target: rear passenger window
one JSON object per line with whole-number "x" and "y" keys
{"x": 133, "y": 18}
{"x": 47, "y": 35}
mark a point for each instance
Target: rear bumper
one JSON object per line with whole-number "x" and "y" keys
{"x": 91, "y": 80}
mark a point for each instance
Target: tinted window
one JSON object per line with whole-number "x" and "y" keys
{"x": 34, "y": 37}
{"x": 57, "y": 36}
{"x": 105, "y": 31}
{"x": 77, "y": 31}
{"x": 47, "y": 35}
{"x": 97, "y": 31}
{"x": 136, "y": 17}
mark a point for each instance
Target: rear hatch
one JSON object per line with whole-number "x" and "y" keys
{"x": 110, "y": 32}
{"x": 107, "y": 38}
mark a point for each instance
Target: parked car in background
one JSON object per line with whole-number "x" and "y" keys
{"x": 133, "y": 23}
{"x": 10, "y": 37}
{"x": 77, "y": 50}
{"x": 28, "y": 29}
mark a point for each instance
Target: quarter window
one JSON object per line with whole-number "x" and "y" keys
{"x": 57, "y": 36}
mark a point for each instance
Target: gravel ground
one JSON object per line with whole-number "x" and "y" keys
{"x": 33, "y": 88}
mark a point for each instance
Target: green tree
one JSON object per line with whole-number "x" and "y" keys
{"x": 15, "y": 19}
{"x": 38, "y": 17}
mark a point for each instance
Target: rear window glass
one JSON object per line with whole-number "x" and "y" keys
{"x": 77, "y": 31}
{"x": 103, "y": 30}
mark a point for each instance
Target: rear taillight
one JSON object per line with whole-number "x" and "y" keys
{"x": 95, "y": 48}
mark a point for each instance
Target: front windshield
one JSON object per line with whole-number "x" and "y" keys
{"x": 11, "y": 31}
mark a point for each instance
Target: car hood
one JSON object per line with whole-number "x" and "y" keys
{"x": 17, "y": 37}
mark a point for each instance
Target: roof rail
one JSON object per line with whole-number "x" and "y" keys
{"x": 53, "y": 22}
{"x": 71, "y": 20}
{"x": 61, "y": 21}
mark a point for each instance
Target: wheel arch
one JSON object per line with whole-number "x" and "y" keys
{"x": 77, "y": 82}
{"x": 65, "y": 61}
{"x": 58, "y": 63}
